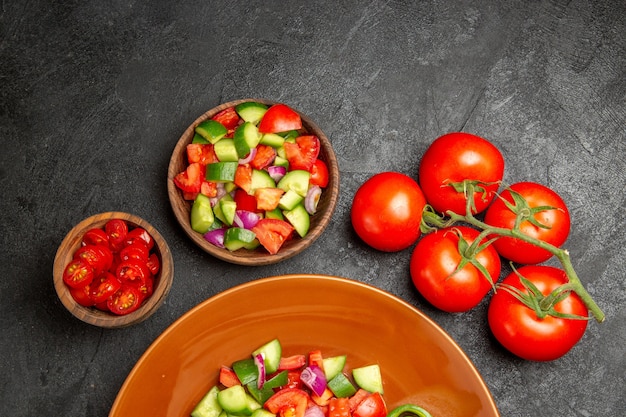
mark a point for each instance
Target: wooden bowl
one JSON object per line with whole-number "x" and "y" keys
{"x": 259, "y": 256}
{"x": 162, "y": 283}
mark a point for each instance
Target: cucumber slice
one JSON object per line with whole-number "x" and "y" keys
{"x": 341, "y": 386}
{"x": 296, "y": 180}
{"x": 251, "y": 111}
{"x": 211, "y": 130}
{"x": 217, "y": 209}
{"x": 208, "y": 405}
{"x": 271, "y": 352}
{"x": 281, "y": 162}
{"x": 226, "y": 151}
{"x": 333, "y": 366}
{"x": 246, "y": 370}
{"x": 290, "y": 200}
{"x": 261, "y": 412}
{"x": 261, "y": 179}
{"x": 221, "y": 171}
{"x": 197, "y": 138}
{"x": 235, "y": 400}
{"x": 237, "y": 238}
{"x": 272, "y": 139}
{"x": 275, "y": 214}
{"x": 202, "y": 217}
{"x": 299, "y": 219}
{"x": 246, "y": 137}
{"x": 228, "y": 208}
{"x": 369, "y": 378}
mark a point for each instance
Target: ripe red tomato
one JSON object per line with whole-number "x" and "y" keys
{"x": 372, "y": 406}
{"x": 455, "y": 157}
{"x": 557, "y": 222}
{"x": 303, "y": 153}
{"x": 319, "y": 174}
{"x": 517, "y": 327}
{"x": 78, "y": 273}
{"x": 280, "y": 118}
{"x": 125, "y": 300}
{"x": 387, "y": 211}
{"x": 435, "y": 260}
{"x": 272, "y": 233}
{"x": 116, "y": 229}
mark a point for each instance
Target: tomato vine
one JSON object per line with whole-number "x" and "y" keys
{"x": 432, "y": 220}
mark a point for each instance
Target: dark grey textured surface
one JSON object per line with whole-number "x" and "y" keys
{"x": 95, "y": 94}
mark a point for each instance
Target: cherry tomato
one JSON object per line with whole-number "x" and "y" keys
{"x": 280, "y": 118}
{"x": 455, "y": 157}
{"x": 137, "y": 251}
{"x": 387, "y": 211}
{"x": 319, "y": 174}
{"x": 98, "y": 257}
{"x": 132, "y": 271}
{"x": 125, "y": 300}
{"x": 116, "y": 229}
{"x": 82, "y": 296}
{"x": 556, "y": 222}
{"x": 153, "y": 264}
{"x": 517, "y": 326}
{"x": 139, "y": 234}
{"x": 78, "y": 273}
{"x": 95, "y": 236}
{"x": 435, "y": 260}
{"x": 103, "y": 287}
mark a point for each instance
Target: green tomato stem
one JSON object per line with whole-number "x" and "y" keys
{"x": 562, "y": 255}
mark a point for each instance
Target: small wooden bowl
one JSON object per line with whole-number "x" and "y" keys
{"x": 162, "y": 283}
{"x": 259, "y": 256}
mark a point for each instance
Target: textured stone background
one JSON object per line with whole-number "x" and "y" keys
{"x": 94, "y": 95}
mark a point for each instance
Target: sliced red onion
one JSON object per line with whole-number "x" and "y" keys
{"x": 259, "y": 361}
{"x": 216, "y": 237}
{"x": 313, "y": 377}
{"x": 221, "y": 191}
{"x": 314, "y": 410}
{"x": 245, "y": 219}
{"x": 312, "y": 198}
{"x": 249, "y": 157}
{"x": 276, "y": 172}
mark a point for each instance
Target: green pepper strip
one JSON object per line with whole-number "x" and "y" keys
{"x": 409, "y": 409}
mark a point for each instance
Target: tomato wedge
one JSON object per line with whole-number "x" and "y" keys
{"x": 303, "y": 153}
{"x": 245, "y": 201}
{"x": 292, "y": 362}
{"x": 229, "y": 118}
{"x": 125, "y": 300}
{"x": 243, "y": 177}
{"x": 272, "y": 233}
{"x": 228, "y": 377}
{"x": 190, "y": 180}
{"x": 339, "y": 407}
{"x": 202, "y": 153}
{"x": 267, "y": 198}
{"x": 319, "y": 174}
{"x": 288, "y": 402}
{"x": 280, "y": 118}
{"x": 372, "y": 406}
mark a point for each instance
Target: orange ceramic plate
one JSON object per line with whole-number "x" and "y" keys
{"x": 420, "y": 363}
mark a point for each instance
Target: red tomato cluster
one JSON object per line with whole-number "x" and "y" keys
{"x": 114, "y": 268}
{"x": 461, "y": 172}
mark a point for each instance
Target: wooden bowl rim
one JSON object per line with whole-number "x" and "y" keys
{"x": 258, "y": 257}
{"x": 93, "y": 316}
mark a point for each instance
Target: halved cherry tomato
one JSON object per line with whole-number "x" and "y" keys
{"x": 82, "y": 296}
{"x": 280, "y": 118}
{"x": 303, "y": 153}
{"x": 243, "y": 177}
{"x": 137, "y": 250}
{"x": 267, "y": 198}
{"x": 229, "y": 118}
{"x": 202, "y": 153}
{"x": 288, "y": 402}
{"x": 145, "y": 286}
{"x": 372, "y": 406}
{"x": 140, "y": 234}
{"x": 95, "y": 236}
{"x": 103, "y": 287}
{"x": 319, "y": 174}
{"x": 78, "y": 273}
{"x": 125, "y": 300}
{"x": 95, "y": 256}
{"x": 272, "y": 233}
{"x": 265, "y": 155}
{"x": 153, "y": 264}
{"x": 116, "y": 229}
{"x": 190, "y": 180}
{"x": 132, "y": 271}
